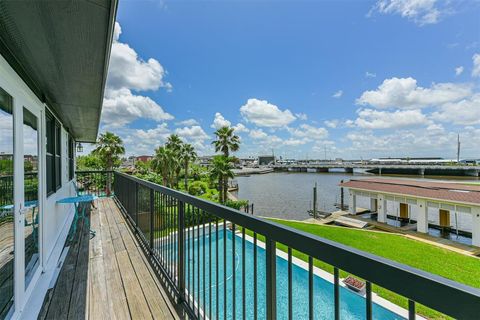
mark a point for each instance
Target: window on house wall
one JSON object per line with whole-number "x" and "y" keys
{"x": 71, "y": 162}
{"x": 58, "y": 156}
{"x": 50, "y": 154}
{"x": 53, "y": 154}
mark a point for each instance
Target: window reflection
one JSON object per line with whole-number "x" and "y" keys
{"x": 30, "y": 161}
{"x": 6, "y": 203}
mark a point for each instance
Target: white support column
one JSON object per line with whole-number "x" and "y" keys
{"x": 352, "y": 205}
{"x": 382, "y": 209}
{"x": 422, "y": 216}
{"x": 476, "y": 226}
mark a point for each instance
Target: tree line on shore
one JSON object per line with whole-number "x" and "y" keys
{"x": 172, "y": 161}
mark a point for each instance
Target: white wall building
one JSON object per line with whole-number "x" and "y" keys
{"x": 53, "y": 66}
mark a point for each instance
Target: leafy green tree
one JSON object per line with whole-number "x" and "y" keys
{"x": 187, "y": 155}
{"x": 109, "y": 148}
{"x": 89, "y": 162}
{"x": 6, "y": 166}
{"x": 142, "y": 167}
{"x": 226, "y": 141}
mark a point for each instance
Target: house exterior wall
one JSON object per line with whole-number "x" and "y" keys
{"x": 55, "y": 219}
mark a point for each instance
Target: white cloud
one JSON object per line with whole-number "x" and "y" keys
{"x": 458, "y": 70}
{"x": 308, "y": 131}
{"x": 370, "y": 75}
{"x": 239, "y": 128}
{"x": 411, "y": 142}
{"x": 476, "y": 65}
{"x": 338, "y": 94}
{"x": 188, "y": 122}
{"x": 422, "y": 12}
{"x": 194, "y": 135}
{"x": 219, "y": 121}
{"x": 143, "y": 141}
{"x": 404, "y": 93}
{"x": 265, "y": 114}
{"x": 464, "y": 112}
{"x": 127, "y": 70}
{"x": 331, "y": 123}
{"x": 121, "y": 107}
{"x": 258, "y": 134}
{"x": 374, "y": 119}
{"x": 295, "y": 142}
{"x": 301, "y": 116}
{"x": 157, "y": 135}
{"x": 349, "y": 123}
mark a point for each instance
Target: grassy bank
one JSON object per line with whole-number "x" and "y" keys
{"x": 446, "y": 263}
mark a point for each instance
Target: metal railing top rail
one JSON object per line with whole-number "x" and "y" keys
{"x": 444, "y": 295}
{"x": 94, "y": 171}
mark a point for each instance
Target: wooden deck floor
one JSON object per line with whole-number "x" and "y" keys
{"x": 107, "y": 276}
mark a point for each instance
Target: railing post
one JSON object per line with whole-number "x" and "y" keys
{"x": 271, "y": 269}
{"x": 152, "y": 211}
{"x": 136, "y": 207}
{"x": 181, "y": 250}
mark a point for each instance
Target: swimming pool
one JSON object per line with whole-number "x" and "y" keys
{"x": 352, "y": 305}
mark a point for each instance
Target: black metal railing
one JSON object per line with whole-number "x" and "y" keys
{"x": 222, "y": 263}
{"x": 99, "y": 183}
{"x": 30, "y": 188}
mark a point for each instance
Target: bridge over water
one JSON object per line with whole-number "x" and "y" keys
{"x": 404, "y": 169}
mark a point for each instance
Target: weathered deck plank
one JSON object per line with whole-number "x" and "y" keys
{"x": 108, "y": 276}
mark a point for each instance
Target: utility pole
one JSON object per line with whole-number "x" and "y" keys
{"x": 458, "y": 148}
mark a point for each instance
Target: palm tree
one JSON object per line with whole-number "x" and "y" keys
{"x": 187, "y": 155}
{"x": 174, "y": 142}
{"x": 222, "y": 170}
{"x": 109, "y": 148}
{"x": 226, "y": 141}
{"x": 163, "y": 163}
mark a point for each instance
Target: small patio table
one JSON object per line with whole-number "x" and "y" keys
{"x": 79, "y": 215}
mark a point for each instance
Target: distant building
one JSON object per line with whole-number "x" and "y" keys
{"x": 470, "y": 161}
{"x": 425, "y": 160}
{"x": 204, "y": 161}
{"x": 266, "y": 160}
{"x": 143, "y": 158}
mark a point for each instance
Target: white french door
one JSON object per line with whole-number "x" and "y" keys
{"x": 20, "y": 199}
{"x": 30, "y": 197}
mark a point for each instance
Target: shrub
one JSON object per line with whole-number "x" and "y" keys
{"x": 236, "y": 204}
{"x": 197, "y": 188}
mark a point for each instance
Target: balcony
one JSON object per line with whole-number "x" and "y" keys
{"x": 160, "y": 253}
{"x": 107, "y": 274}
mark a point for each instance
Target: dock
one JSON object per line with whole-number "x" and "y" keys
{"x": 249, "y": 171}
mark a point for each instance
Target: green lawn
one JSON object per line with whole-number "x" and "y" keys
{"x": 446, "y": 263}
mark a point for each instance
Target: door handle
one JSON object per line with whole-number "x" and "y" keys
{"x": 23, "y": 210}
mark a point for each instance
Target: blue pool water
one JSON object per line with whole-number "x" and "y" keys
{"x": 352, "y": 305}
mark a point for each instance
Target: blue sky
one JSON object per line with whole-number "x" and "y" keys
{"x": 359, "y": 79}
